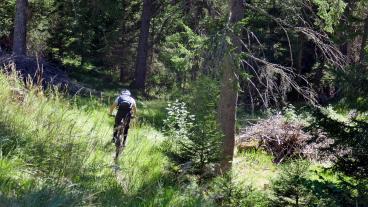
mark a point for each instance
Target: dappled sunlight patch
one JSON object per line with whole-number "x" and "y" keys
{"x": 254, "y": 168}
{"x": 148, "y": 132}
{"x": 14, "y": 175}
{"x": 141, "y": 160}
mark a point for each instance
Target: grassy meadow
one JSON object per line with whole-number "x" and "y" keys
{"x": 56, "y": 150}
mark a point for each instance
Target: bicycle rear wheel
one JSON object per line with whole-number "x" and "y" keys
{"x": 119, "y": 140}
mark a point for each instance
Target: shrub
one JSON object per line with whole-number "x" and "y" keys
{"x": 349, "y": 150}
{"x": 195, "y": 141}
{"x": 225, "y": 192}
{"x": 292, "y": 187}
{"x": 350, "y": 143}
{"x": 179, "y": 121}
{"x": 192, "y": 144}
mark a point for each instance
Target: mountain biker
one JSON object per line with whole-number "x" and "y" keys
{"x": 126, "y": 108}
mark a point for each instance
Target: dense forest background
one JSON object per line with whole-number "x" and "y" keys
{"x": 167, "y": 45}
{"x": 283, "y": 82}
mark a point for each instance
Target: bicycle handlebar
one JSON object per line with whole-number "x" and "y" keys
{"x": 112, "y": 115}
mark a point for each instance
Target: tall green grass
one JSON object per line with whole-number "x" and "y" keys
{"x": 57, "y": 152}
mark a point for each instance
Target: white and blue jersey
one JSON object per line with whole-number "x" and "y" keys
{"x": 125, "y": 101}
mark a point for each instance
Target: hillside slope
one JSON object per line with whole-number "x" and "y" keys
{"x": 58, "y": 152}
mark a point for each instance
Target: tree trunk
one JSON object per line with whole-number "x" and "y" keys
{"x": 364, "y": 40}
{"x": 229, "y": 91}
{"x": 122, "y": 73}
{"x": 227, "y": 110}
{"x": 299, "y": 61}
{"x": 141, "y": 62}
{"x": 350, "y": 44}
{"x": 20, "y": 28}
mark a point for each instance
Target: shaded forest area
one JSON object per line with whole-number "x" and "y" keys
{"x": 283, "y": 77}
{"x": 290, "y": 50}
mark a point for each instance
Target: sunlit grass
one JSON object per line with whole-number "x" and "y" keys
{"x": 254, "y": 168}
{"x": 57, "y": 151}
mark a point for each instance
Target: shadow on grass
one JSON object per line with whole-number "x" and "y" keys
{"x": 152, "y": 113}
{"x": 339, "y": 194}
{"x": 160, "y": 191}
{"x": 10, "y": 138}
{"x": 63, "y": 195}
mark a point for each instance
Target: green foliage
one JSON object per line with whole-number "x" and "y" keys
{"x": 179, "y": 122}
{"x": 180, "y": 53}
{"x": 350, "y": 142}
{"x": 227, "y": 193}
{"x": 301, "y": 115}
{"x": 202, "y": 99}
{"x": 97, "y": 41}
{"x": 290, "y": 114}
{"x": 39, "y": 26}
{"x": 190, "y": 141}
{"x": 352, "y": 83}
{"x": 300, "y": 183}
{"x": 195, "y": 139}
{"x": 330, "y": 11}
{"x": 7, "y": 11}
{"x": 291, "y": 187}
{"x": 344, "y": 190}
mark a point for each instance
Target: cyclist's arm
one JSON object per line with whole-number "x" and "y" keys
{"x": 112, "y": 107}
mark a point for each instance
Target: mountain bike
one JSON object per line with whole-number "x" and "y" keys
{"x": 118, "y": 139}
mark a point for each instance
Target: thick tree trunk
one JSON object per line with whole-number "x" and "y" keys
{"x": 141, "y": 62}
{"x": 350, "y": 45}
{"x": 20, "y": 28}
{"x": 227, "y": 110}
{"x": 229, "y": 91}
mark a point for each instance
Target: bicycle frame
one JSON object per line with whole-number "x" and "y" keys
{"x": 119, "y": 136}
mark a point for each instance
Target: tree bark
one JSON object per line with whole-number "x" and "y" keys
{"x": 20, "y": 28}
{"x": 141, "y": 62}
{"x": 364, "y": 41}
{"x": 229, "y": 90}
{"x": 227, "y": 110}
{"x": 299, "y": 63}
{"x": 350, "y": 45}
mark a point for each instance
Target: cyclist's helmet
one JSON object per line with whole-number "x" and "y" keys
{"x": 125, "y": 92}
